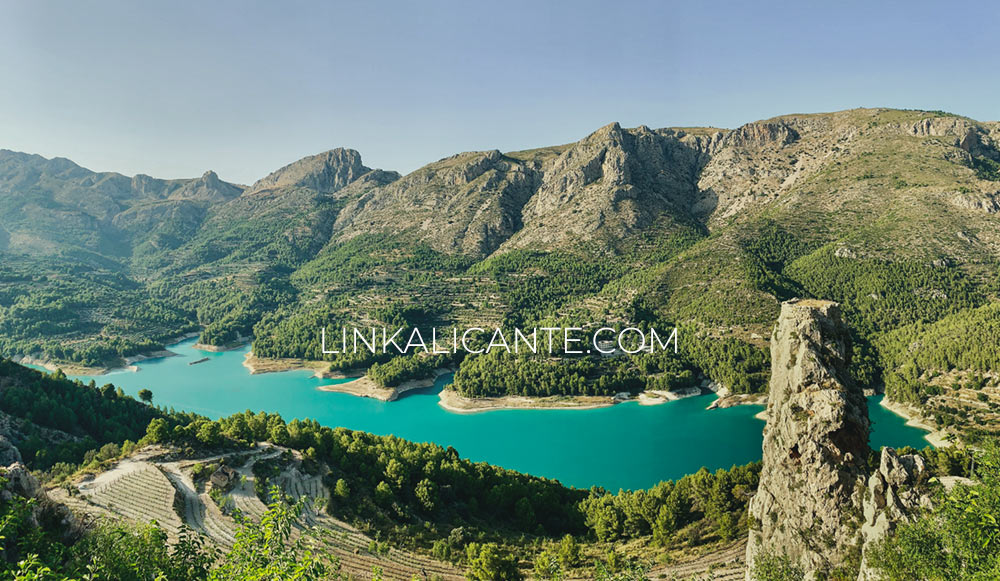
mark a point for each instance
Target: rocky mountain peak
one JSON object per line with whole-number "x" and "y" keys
{"x": 469, "y": 202}
{"x": 325, "y": 172}
{"x": 809, "y": 501}
{"x": 613, "y": 128}
{"x": 614, "y": 180}
{"x": 145, "y": 185}
{"x": 207, "y": 188}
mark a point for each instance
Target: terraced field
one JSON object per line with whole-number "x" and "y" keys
{"x": 164, "y": 490}
{"x": 726, "y": 564}
{"x": 199, "y": 510}
{"x": 137, "y": 491}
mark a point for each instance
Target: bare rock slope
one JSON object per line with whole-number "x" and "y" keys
{"x": 816, "y": 503}
{"x": 815, "y": 442}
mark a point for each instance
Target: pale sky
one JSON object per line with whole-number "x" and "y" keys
{"x": 172, "y": 89}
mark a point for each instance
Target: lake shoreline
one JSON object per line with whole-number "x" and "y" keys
{"x": 220, "y": 348}
{"x": 364, "y": 386}
{"x": 915, "y": 418}
{"x": 258, "y": 365}
{"x": 582, "y": 449}
{"x": 67, "y": 368}
{"x": 126, "y": 364}
{"x": 123, "y": 363}
{"x": 452, "y": 401}
{"x": 660, "y": 397}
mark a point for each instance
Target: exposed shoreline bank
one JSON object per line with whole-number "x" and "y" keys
{"x": 67, "y": 368}
{"x": 657, "y": 396}
{"x": 364, "y": 386}
{"x": 127, "y": 364}
{"x": 453, "y": 402}
{"x": 914, "y": 418}
{"x": 258, "y": 365}
{"x": 220, "y": 348}
{"x": 124, "y": 364}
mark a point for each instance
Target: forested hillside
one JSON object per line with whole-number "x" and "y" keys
{"x": 892, "y": 213}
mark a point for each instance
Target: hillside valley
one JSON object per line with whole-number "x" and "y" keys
{"x": 890, "y": 212}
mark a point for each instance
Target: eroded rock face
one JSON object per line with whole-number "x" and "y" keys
{"x": 895, "y": 494}
{"x": 468, "y": 203}
{"x": 8, "y": 453}
{"x": 207, "y": 188}
{"x": 17, "y": 481}
{"x": 326, "y": 172}
{"x": 613, "y": 181}
{"x": 763, "y": 133}
{"x": 989, "y": 203}
{"x": 20, "y": 482}
{"x": 808, "y": 505}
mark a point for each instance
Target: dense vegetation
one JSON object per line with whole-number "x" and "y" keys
{"x": 958, "y": 539}
{"x": 716, "y": 501}
{"x": 915, "y": 353}
{"x": 391, "y": 481}
{"x": 401, "y": 369}
{"x": 63, "y": 420}
{"x": 426, "y": 497}
{"x": 500, "y": 373}
{"x": 535, "y": 285}
{"x": 43, "y": 300}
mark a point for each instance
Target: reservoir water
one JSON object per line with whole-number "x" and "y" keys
{"x": 621, "y": 446}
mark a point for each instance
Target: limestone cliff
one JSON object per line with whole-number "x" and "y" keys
{"x": 809, "y": 502}
{"x": 817, "y": 504}
{"x": 325, "y": 172}
{"x": 468, "y": 203}
{"x": 895, "y": 492}
{"x": 612, "y": 183}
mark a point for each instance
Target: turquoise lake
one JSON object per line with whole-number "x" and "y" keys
{"x": 622, "y": 446}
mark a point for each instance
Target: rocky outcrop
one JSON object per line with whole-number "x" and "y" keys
{"x": 20, "y": 482}
{"x": 942, "y": 126}
{"x": 808, "y": 505}
{"x": 207, "y": 188}
{"x": 966, "y": 134}
{"x": 16, "y": 481}
{"x": 469, "y": 203}
{"x": 164, "y": 224}
{"x": 895, "y": 493}
{"x": 612, "y": 183}
{"x": 989, "y": 203}
{"x": 9, "y": 454}
{"x": 604, "y": 187}
{"x": 817, "y": 504}
{"x": 762, "y": 133}
{"x": 326, "y": 172}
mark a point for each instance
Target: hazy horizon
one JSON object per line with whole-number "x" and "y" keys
{"x": 243, "y": 89}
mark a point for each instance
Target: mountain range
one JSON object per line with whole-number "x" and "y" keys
{"x": 891, "y": 212}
